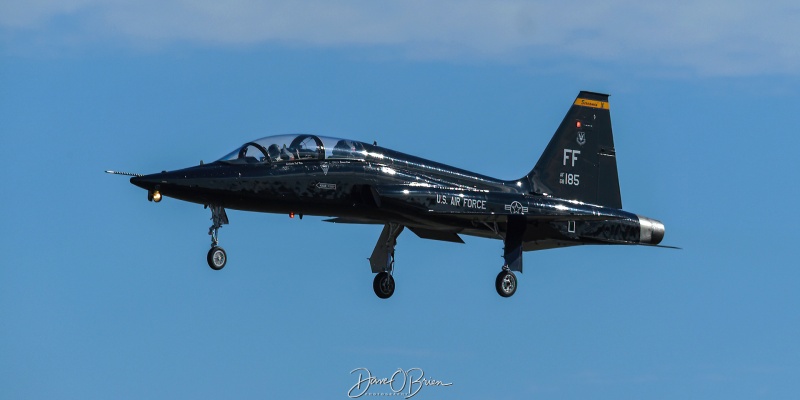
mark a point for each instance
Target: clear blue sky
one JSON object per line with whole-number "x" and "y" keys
{"x": 104, "y": 295}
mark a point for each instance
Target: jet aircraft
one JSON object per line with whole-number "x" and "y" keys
{"x": 570, "y": 197}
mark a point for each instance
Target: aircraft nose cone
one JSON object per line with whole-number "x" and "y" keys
{"x": 138, "y": 181}
{"x": 147, "y": 182}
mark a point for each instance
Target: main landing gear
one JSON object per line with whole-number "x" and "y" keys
{"x": 216, "y": 256}
{"x": 506, "y": 282}
{"x": 382, "y": 262}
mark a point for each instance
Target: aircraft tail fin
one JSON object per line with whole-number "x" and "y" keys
{"x": 580, "y": 162}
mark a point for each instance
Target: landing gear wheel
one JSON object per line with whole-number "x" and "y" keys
{"x": 383, "y": 285}
{"x": 217, "y": 258}
{"x": 506, "y": 283}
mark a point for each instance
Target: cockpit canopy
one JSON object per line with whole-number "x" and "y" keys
{"x": 300, "y": 147}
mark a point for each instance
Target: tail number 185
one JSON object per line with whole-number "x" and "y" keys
{"x": 569, "y": 179}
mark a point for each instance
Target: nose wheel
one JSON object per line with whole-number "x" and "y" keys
{"x": 383, "y": 285}
{"x": 382, "y": 260}
{"x": 506, "y": 283}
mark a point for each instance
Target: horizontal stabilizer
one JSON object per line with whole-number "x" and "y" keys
{"x": 625, "y": 242}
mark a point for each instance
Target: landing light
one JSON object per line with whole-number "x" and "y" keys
{"x": 156, "y": 196}
{"x": 291, "y": 215}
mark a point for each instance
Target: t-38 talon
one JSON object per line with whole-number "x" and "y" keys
{"x": 570, "y": 197}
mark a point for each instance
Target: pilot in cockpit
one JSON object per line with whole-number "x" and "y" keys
{"x": 274, "y": 152}
{"x": 347, "y": 148}
{"x": 287, "y": 154}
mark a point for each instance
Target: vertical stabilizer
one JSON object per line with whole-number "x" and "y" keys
{"x": 580, "y": 162}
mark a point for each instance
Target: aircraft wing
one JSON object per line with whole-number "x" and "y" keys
{"x": 351, "y": 220}
{"x": 487, "y": 206}
{"x": 422, "y": 208}
{"x": 424, "y": 233}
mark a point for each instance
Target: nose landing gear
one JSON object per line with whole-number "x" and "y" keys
{"x": 382, "y": 260}
{"x": 383, "y": 285}
{"x": 217, "y": 258}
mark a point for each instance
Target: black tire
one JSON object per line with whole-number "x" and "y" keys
{"x": 506, "y": 283}
{"x": 383, "y": 285}
{"x": 217, "y": 258}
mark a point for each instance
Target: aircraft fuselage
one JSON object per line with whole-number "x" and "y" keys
{"x": 392, "y": 186}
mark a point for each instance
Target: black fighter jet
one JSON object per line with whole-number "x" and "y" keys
{"x": 571, "y": 197}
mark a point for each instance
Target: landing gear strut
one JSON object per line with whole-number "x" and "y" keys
{"x": 506, "y": 282}
{"x": 216, "y": 256}
{"x": 382, "y": 260}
